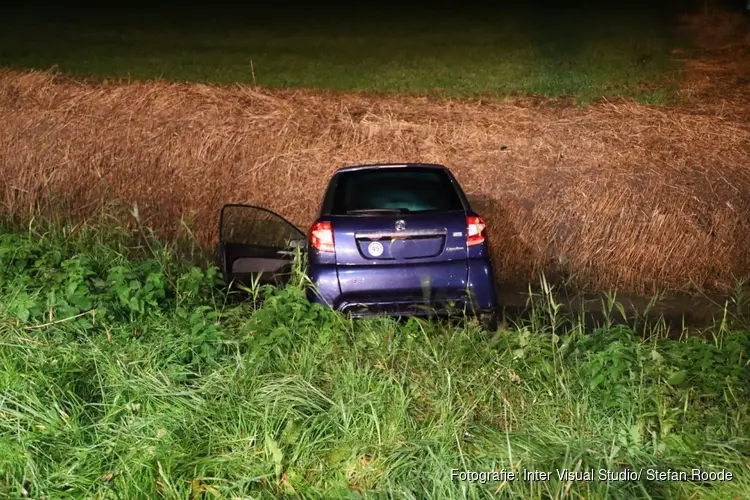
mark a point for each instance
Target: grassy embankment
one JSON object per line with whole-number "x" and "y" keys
{"x": 126, "y": 373}
{"x": 616, "y": 196}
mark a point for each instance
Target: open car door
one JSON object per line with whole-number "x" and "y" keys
{"x": 256, "y": 244}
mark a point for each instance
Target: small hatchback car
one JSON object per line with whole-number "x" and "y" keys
{"x": 389, "y": 239}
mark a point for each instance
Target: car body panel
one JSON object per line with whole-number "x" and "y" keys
{"x": 430, "y": 237}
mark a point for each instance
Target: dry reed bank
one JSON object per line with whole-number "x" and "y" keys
{"x": 618, "y": 194}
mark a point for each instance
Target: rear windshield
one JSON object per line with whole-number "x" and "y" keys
{"x": 406, "y": 189}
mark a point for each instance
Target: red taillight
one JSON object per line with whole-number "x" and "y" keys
{"x": 321, "y": 237}
{"x": 475, "y": 234}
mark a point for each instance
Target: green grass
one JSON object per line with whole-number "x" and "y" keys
{"x": 518, "y": 52}
{"x": 127, "y": 373}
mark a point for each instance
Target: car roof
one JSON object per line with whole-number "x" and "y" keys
{"x": 378, "y": 166}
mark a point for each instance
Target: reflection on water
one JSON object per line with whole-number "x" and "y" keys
{"x": 679, "y": 313}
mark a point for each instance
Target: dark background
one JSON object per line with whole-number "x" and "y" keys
{"x": 299, "y": 12}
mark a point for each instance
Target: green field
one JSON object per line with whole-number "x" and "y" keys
{"x": 127, "y": 373}
{"x": 503, "y": 52}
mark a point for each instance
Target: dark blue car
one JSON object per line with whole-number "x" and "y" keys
{"x": 394, "y": 239}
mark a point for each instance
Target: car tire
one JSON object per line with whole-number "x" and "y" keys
{"x": 489, "y": 321}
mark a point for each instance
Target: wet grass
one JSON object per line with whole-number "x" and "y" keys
{"x": 127, "y": 373}
{"x": 540, "y": 51}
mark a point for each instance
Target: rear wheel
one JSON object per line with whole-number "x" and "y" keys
{"x": 488, "y": 320}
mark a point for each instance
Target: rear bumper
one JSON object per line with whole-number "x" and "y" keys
{"x": 405, "y": 306}
{"x": 476, "y": 294}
